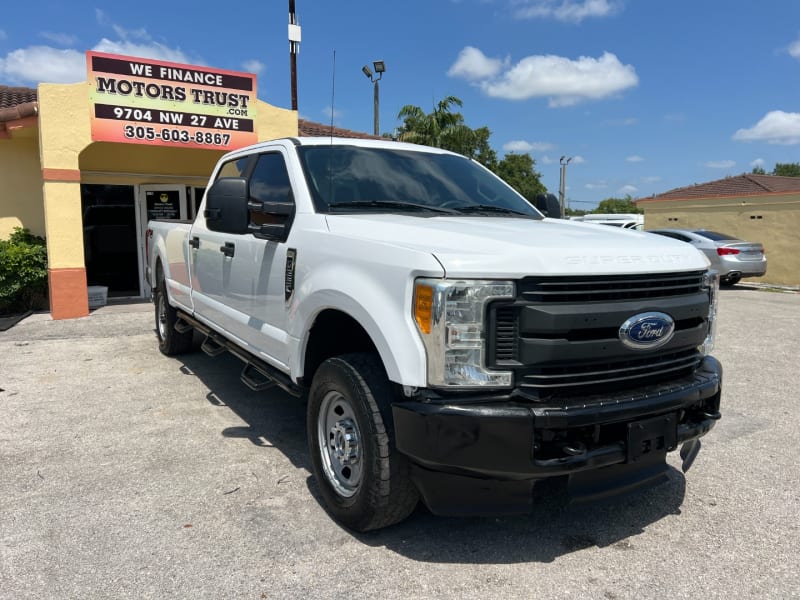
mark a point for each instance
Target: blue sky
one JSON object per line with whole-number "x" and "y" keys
{"x": 644, "y": 95}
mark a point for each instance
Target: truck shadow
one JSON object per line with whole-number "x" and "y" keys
{"x": 553, "y": 529}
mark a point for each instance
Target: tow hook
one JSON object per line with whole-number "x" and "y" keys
{"x": 689, "y": 452}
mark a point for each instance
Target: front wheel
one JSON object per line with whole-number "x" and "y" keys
{"x": 363, "y": 479}
{"x": 170, "y": 341}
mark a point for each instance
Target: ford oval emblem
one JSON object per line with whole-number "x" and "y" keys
{"x": 647, "y": 331}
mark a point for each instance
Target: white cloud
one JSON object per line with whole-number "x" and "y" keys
{"x": 62, "y": 39}
{"x": 253, "y": 66}
{"x": 597, "y": 185}
{"x": 43, "y": 63}
{"x": 720, "y": 164}
{"x": 546, "y": 160}
{"x": 635, "y": 158}
{"x": 334, "y": 113}
{"x": 759, "y": 162}
{"x": 55, "y": 65}
{"x": 578, "y": 160}
{"x": 628, "y": 189}
{"x": 570, "y": 11}
{"x": 150, "y": 49}
{"x": 794, "y": 49}
{"x": 776, "y": 127}
{"x": 563, "y": 81}
{"x": 474, "y": 65}
{"x": 626, "y": 122}
{"x": 523, "y": 146}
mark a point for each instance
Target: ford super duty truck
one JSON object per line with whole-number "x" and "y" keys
{"x": 453, "y": 344}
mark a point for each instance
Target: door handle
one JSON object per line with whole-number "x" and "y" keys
{"x": 195, "y": 242}
{"x": 228, "y": 249}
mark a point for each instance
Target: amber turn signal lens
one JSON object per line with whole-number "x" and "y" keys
{"x": 423, "y": 307}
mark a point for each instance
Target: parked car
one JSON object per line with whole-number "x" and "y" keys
{"x": 731, "y": 257}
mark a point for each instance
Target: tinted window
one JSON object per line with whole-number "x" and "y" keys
{"x": 338, "y": 175}
{"x": 673, "y": 235}
{"x": 233, "y": 168}
{"x": 270, "y": 179}
{"x": 713, "y": 235}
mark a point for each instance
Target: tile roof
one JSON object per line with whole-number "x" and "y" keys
{"x": 312, "y": 129}
{"x": 17, "y": 103}
{"x": 748, "y": 184}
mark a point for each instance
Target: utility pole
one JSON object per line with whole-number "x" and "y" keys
{"x": 380, "y": 69}
{"x": 564, "y": 162}
{"x": 294, "y": 49}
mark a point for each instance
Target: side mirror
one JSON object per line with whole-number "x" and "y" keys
{"x": 271, "y": 220}
{"x": 226, "y": 205}
{"x": 548, "y": 205}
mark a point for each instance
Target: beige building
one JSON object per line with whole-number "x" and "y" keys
{"x": 757, "y": 208}
{"x": 86, "y": 165}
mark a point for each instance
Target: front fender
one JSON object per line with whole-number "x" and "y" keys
{"x": 380, "y": 300}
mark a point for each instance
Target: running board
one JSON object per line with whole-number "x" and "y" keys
{"x": 257, "y": 374}
{"x": 255, "y": 378}
{"x": 182, "y": 326}
{"x": 212, "y": 347}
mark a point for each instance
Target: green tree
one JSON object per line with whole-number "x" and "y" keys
{"x": 787, "y": 169}
{"x": 757, "y": 170}
{"x": 444, "y": 127}
{"x": 612, "y": 206}
{"x": 518, "y": 171}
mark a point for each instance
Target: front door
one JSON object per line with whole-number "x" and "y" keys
{"x": 156, "y": 201}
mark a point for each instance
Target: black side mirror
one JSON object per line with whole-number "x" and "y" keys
{"x": 548, "y": 205}
{"x": 226, "y": 205}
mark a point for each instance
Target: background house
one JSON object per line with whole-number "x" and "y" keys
{"x": 757, "y": 208}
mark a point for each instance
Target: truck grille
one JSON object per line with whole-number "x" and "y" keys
{"x": 560, "y": 335}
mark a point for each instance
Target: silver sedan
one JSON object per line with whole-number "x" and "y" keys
{"x": 731, "y": 257}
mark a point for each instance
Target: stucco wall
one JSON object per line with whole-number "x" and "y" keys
{"x": 772, "y": 219}
{"x": 21, "y": 191}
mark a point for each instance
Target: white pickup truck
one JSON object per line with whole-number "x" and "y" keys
{"x": 452, "y": 343}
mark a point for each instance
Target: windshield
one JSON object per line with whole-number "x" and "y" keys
{"x": 354, "y": 178}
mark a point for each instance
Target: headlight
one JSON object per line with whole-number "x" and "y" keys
{"x": 450, "y": 316}
{"x": 711, "y": 286}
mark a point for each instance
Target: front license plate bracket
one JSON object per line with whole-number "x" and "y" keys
{"x": 652, "y": 436}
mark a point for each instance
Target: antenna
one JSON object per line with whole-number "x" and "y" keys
{"x": 333, "y": 92}
{"x": 330, "y": 149}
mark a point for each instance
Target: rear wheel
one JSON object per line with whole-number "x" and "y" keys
{"x": 731, "y": 280}
{"x": 363, "y": 479}
{"x": 170, "y": 341}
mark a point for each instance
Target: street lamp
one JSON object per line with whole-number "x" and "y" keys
{"x": 380, "y": 68}
{"x": 564, "y": 162}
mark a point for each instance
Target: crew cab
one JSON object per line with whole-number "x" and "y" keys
{"x": 453, "y": 344}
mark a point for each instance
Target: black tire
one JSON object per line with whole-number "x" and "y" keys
{"x": 731, "y": 280}
{"x": 363, "y": 479}
{"x": 170, "y": 341}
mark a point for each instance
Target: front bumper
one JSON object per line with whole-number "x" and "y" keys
{"x": 485, "y": 457}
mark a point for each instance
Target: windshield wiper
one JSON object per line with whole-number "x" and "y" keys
{"x": 398, "y": 204}
{"x": 477, "y": 208}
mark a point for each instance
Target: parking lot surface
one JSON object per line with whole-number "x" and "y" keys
{"x": 127, "y": 474}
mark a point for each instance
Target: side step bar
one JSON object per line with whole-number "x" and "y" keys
{"x": 256, "y": 374}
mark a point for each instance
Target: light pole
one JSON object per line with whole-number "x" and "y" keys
{"x": 564, "y": 162}
{"x": 380, "y": 68}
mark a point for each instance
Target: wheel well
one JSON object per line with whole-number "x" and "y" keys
{"x": 334, "y": 333}
{"x": 159, "y": 271}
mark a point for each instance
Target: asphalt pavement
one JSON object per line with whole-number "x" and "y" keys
{"x": 127, "y": 474}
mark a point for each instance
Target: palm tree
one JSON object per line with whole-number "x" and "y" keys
{"x": 441, "y": 128}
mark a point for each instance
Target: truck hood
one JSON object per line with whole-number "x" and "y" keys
{"x": 500, "y": 247}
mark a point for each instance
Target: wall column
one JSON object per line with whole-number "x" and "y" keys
{"x": 63, "y": 133}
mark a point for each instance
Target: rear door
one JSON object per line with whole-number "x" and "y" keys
{"x": 210, "y": 267}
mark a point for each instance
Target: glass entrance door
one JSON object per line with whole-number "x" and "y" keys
{"x": 157, "y": 201}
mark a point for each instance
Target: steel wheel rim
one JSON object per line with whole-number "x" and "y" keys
{"x": 339, "y": 440}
